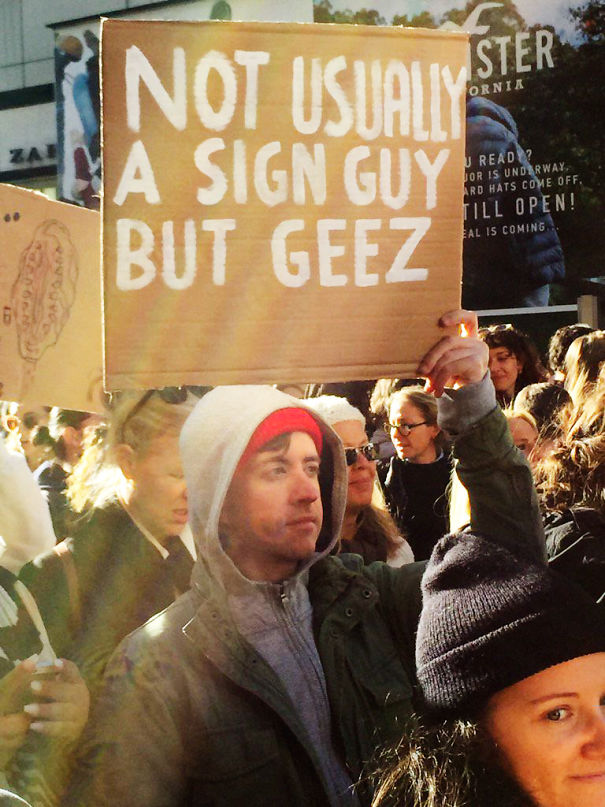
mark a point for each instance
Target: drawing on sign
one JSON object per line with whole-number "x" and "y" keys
{"x": 43, "y": 293}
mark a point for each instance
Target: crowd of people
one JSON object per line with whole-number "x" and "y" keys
{"x": 374, "y": 593}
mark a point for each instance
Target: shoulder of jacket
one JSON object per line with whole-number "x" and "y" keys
{"x": 334, "y": 566}
{"x": 163, "y": 633}
{"x": 99, "y": 517}
{"x": 46, "y": 561}
{"x": 588, "y": 519}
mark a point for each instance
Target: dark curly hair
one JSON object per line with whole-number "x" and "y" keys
{"x": 523, "y": 348}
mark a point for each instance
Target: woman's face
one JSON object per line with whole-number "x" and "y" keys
{"x": 363, "y": 473}
{"x": 419, "y": 444}
{"x": 159, "y": 495}
{"x": 524, "y": 435}
{"x": 504, "y": 367}
{"x": 30, "y": 421}
{"x": 550, "y": 730}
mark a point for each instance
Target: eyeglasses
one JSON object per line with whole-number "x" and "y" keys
{"x": 403, "y": 428}
{"x": 369, "y": 451}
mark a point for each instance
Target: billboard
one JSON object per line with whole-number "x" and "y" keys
{"x": 77, "y": 83}
{"x": 534, "y": 169}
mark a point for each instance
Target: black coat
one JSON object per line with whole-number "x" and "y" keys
{"x": 575, "y": 543}
{"x": 19, "y": 638}
{"x": 415, "y": 496}
{"x": 52, "y": 480}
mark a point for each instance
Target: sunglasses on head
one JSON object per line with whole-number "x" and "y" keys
{"x": 170, "y": 395}
{"x": 498, "y": 328}
{"x": 175, "y": 395}
{"x": 369, "y": 451}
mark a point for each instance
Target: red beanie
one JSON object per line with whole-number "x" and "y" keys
{"x": 283, "y": 421}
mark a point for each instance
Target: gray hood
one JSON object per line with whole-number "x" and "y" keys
{"x": 212, "y": 441}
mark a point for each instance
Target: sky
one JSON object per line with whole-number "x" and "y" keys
{"x": 547, "y": 12}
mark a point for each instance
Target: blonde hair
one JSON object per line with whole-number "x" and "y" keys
{"x": 588, "y": 417}
{"x": 574, "y": 473}
{"x": 583, "y": 363}
{"x": 136, "y": 420}
{"x": 510, "y": 413}
{"x": 448, "y": 763}
{"x": 381, "y": 394}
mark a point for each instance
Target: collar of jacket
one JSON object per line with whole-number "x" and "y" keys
{"x": 214, "y": 629}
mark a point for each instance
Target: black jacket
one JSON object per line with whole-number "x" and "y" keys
{"x": 415, "y": 496}
{"x": 575, "y": 543}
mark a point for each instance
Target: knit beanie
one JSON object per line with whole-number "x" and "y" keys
{"x": 282, "y": 421}
{"x": 334, "y": 409}
{"x": 490, "y": 619}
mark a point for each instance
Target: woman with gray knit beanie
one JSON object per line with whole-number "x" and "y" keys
{"x": 511, "y": 665}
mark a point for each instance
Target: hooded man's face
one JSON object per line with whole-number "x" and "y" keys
{"x": 272, "y": 513}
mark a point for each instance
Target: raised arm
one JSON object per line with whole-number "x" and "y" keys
{"x": 503, "y": 503}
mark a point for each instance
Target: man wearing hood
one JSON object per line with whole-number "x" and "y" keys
{"x": 512, "y": 253}
{"x": 283, "y": 671}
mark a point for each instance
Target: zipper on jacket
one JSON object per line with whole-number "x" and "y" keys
{"x": 283, "y": 597}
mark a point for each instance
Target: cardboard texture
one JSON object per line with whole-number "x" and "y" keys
{"x": 50, "y": 292}
{"x": 282, "y": 202}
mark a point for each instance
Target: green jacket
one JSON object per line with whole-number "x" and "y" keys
{"x": 191, "y": 714}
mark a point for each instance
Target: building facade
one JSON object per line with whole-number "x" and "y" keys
{"x": 49, "y": 104}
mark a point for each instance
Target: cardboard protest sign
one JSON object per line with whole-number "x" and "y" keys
{"x": 50, "y": 293}
{"x": 282, "y": 202}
